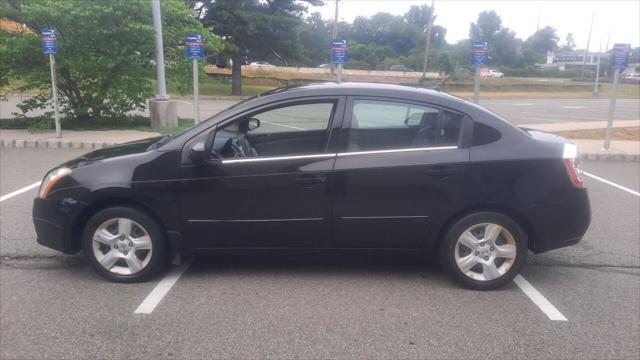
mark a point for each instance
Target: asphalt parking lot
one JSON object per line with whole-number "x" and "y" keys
{"x": 318, "y": 305}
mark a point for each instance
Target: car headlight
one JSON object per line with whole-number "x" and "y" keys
{"x": 51, "y": 180}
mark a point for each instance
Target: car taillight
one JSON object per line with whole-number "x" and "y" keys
{"x": 572, "y": 163}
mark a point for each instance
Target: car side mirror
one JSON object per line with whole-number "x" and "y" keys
{"x": 197, "y": 153}
{"x": 254, "y": 123}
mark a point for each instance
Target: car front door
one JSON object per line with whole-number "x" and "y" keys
{"x": 266, "y": 183}
{"x": 401, "y": 164}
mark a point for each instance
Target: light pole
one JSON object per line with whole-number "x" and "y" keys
{"x": 426, "y": 47}
{"x": 163, "y": 111}
{"x": 334, "y": 34}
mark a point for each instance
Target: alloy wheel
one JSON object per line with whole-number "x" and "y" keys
{"x": 122, "y": 246}
{"x": 485, "y": 252}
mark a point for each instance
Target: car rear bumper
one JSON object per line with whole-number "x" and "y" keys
{"x": 53, "y": 221}
{"x": 562, "y": 223}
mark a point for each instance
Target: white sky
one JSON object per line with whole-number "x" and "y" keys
{"x": 520, "y": 16}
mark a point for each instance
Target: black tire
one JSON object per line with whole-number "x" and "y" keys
{"x": 447, "y": 251}
{"x": 158, "y": 255}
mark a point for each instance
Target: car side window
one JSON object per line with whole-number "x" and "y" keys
{"x": 386, "y": 125}
{"x": 288, "y": 130}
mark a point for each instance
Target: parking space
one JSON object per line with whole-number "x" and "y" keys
{"x": 321, "y": 305}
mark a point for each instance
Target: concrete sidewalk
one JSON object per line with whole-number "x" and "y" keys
{"x": 589, "y": 149}
{"x": 93, "y": 139}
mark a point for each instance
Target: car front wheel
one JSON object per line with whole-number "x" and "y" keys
{"x": 484, "y": 250}
{"x": 124, "y": 244}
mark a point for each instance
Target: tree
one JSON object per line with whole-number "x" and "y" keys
{"x": 570, "y": 43}
{"x": 485, "y": 28}
{"x": 503, "y": 45}
{"x": 536, "y": 46}
{"x": 105, "y": 63}
{"x": 258, "y": 28}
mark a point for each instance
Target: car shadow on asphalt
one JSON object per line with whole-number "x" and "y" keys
{"x": 344, "y": 264}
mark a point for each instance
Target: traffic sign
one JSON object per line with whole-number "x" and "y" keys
{"x": 339, "y": 51}
{"x": 480, "y": 54}
{"x": 195, "y": 46}
{"x": 620, "y": 56}
{"x": 49, "y": 43}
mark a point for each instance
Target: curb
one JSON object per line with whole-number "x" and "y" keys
{"x": 62, "y": 144}
{"x": 54, "y": 144}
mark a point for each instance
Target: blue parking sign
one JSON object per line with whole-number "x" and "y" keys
{"x": 620, "y": 56}
{"x": 194, "y": 44}
{"x": 49, "y": 43}
{"x": 339, "y": 51}
{"x": 480, "y": 54}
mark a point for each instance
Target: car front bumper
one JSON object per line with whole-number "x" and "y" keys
{"x": 54, "y": 223}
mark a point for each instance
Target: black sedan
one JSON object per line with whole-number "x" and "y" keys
{"x": 324, "y": 166}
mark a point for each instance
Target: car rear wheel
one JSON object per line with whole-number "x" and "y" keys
{"x": 124, "y": 244}
{"x": 484, "y": 250}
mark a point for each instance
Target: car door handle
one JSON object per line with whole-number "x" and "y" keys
{"x": 309, "y": 182}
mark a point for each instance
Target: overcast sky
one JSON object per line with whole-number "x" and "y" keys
{"x": 520, "y": 16}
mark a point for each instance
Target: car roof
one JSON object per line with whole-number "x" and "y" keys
{"x": 356, "y": 89}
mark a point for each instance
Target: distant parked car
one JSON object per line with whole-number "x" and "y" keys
{"x": 631, "y": 76}
{"x": 324, "y": 66}
{"x": 493, "y": 74}
{"x": 401, "y": 68}
{"x": 261, "y": 63}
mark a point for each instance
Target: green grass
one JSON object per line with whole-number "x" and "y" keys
{"x": 213, "y": 87}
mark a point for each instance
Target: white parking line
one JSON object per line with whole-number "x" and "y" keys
{"x": 573, "y": 107}
{"x": 158, "y": 293}
{"x": 19, "y": 191}
{"x": 539, "y": 299}
{"x": 612, "y": 184}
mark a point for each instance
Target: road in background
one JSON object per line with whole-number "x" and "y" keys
{"x": 520, "y": 111}
{"x": 315, "y": 305}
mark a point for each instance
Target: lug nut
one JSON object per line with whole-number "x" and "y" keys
{"x": 477, "y": 253}
{"x": 115, "y": 246}
{"x": 481, "y": 244}
{"x": 486, "y": 257}
{"x": 492, "y": 248}
{"x": 131, "y": 244}
{"x": 125, "y": 252}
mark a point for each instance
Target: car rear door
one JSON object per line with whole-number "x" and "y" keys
{"x": 275, "y": 197}
{"x": 399, "y": 165}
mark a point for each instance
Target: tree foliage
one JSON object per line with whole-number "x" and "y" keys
{"x": 105, "y": 63}
{"x": 257, "y": 28}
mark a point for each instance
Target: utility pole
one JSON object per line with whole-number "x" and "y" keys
{"x": 539, "y": 16}
{"x": 586, "y": 52}
{"x": 595, "y": 87}
{"x": 426, "y": 47}
{"x": 334, "y": 34}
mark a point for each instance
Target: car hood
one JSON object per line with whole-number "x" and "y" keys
{"x": 129, "y": 148}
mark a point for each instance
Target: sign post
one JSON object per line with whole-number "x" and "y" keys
{"x": 339, "y": 55}
{"x": 50, "y": 47}
{"x": 195, "y": 51}
{"x": 479, "y": 59}
{"x": 619, "y": 61}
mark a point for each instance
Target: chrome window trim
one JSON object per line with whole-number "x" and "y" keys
{"x": 384, "y": 217}
{"x": 274, "y": 158}
{"x": 352, "y": 153}
{"x": 252, "y": 220}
